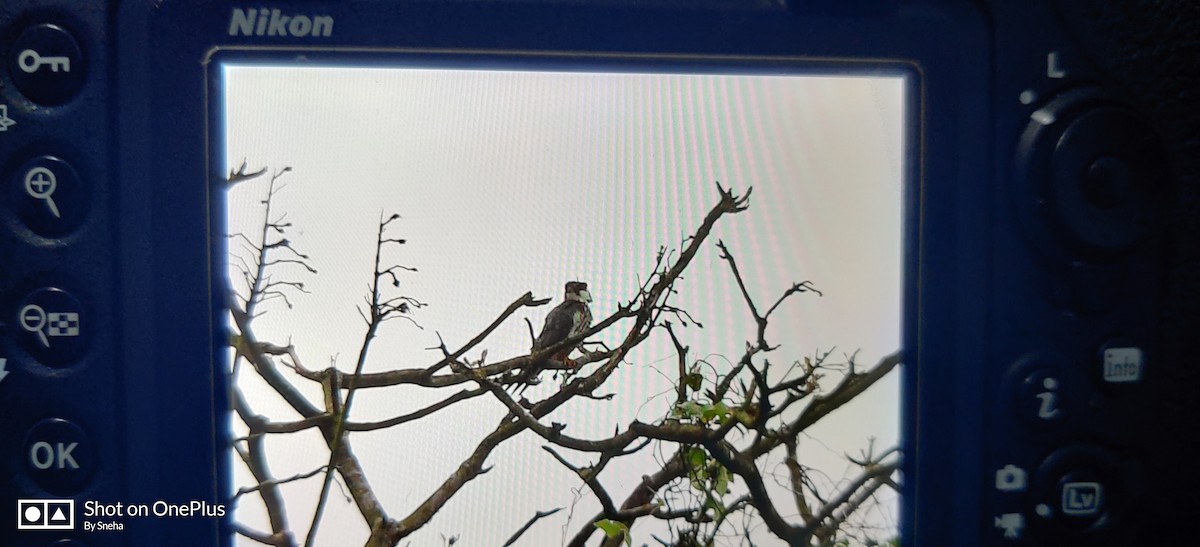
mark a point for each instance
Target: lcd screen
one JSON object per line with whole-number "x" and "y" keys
{"x": 736, "y": 238}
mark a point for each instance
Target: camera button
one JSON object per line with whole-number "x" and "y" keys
{"x": 49, "y": 197}
{"x": 46, "y": 64}
{"x": 58, "y": 456}
{"x": 53, "y": 327}
{"x": 1011, "y": 478}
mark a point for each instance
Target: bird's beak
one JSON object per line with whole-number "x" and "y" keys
{"x": 585, "y": 297}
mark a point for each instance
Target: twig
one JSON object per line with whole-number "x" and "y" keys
{"x": 536, "y": 517}
{"x": 277, "y": 482}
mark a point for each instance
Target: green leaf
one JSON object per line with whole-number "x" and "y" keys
{"x": 694, "y": 381}
{"x": 613, "y": 529}
{"x": 721, "y": 486}
{"x": 697, "y": 461}
{"x": 716, "y": 410}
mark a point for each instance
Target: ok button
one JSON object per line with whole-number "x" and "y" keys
{"x": 59, "y": 456}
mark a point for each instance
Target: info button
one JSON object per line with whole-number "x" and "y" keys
{"x": 1122, "y": 362}
{"x": 58, "y": 456}
{"x": 46, "y": 64}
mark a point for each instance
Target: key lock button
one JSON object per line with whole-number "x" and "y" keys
{"x": 46, "y": 64}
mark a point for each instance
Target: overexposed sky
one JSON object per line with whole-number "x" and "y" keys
{"x": 509, "y": 182}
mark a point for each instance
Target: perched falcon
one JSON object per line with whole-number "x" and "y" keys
{"x": 570, "y": 318}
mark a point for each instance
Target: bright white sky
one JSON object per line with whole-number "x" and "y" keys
{"x": 510, "y": 182}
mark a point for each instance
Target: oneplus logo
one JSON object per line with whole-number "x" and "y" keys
{"x": 45, "y": 514}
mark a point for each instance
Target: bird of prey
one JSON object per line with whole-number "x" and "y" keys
{"x": 570, "y": 318}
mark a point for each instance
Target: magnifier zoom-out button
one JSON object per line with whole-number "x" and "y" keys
{"x": 53, "y": 327}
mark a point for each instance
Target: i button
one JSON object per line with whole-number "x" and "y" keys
{"x": 46, "y": 64}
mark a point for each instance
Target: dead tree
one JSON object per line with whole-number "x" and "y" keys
{"x": 720, "y": 431}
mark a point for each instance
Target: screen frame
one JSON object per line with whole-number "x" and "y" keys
{"x": 573, "y": 62}
{"x": 165, "y": 89}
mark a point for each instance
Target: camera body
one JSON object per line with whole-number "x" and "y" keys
{"x": 1033, "y": 247}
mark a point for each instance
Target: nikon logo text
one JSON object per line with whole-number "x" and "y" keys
{"x": 270, "y": 22}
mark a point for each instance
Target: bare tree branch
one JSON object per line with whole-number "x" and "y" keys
{"x": 733, "y": 416}
{"x": 335, "y": 437}
{"x": 536, "y": 517}
{"x": 275, "y": 482}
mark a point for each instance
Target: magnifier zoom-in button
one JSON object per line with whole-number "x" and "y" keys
{"x": 50, "y": 198}
{"x": 40, "y": 183}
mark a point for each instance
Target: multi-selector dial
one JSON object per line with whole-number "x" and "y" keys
{"x": 1092, "y": 172}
